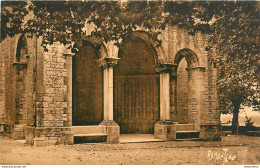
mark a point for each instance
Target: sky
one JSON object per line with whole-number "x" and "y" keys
{"x": 247, "y": 111}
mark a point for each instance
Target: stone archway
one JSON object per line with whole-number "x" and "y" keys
{"x": 182, "y": 91}
{"x": 136, "y": 87}
{"x": 189, "y": 94}
{"x": 87, "y": 95}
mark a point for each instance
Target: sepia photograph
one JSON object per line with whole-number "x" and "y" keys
{"x": 137, "y": 83}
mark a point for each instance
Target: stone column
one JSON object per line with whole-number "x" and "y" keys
{"x": 164, "y": 96}
{"x": 107, "y": 65}
{"x": 195, "y": 99}
{"x": 162, "y": 129}
{"x": 173, "y": 95}
{"x": 111, "y": 128}
{"x": 69, "y": 89}
{"x": 164, "y": 70}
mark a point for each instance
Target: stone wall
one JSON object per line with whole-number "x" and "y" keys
{"x": 18, "y": 87}
{"x": 52, "y": 112}
{"x": 17, "y": 83}
{"x": 52, "y": 88}
{"x": 37, "y": 90}
{"x": 46, "y": 136}
{"x": 9, "y": 83}
{"x": 2, "y": 84}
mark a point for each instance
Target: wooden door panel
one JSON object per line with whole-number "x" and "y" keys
{"x": 136, "y": 105}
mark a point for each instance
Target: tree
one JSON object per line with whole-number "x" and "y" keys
{"x": 236, "y": 33}
{"x": 233, "y": 28}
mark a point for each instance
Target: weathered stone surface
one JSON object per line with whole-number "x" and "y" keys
{"x": 47, "y": 136}
{"x": 19, "y": 131}
{"x": 164, "y": 131}
{"x": 112, "y": 134}
{"x": 210, "y": 132}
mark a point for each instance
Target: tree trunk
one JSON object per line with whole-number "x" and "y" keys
{"x": 235, "y": 125}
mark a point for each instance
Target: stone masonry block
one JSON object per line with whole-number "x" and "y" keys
{"x": 113, "y": 134}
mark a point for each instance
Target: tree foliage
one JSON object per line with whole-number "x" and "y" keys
{"x": 65, "y": 21}
{"x": 237, "y": 38}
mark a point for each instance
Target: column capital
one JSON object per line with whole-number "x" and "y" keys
{"x": 107, "y": 62}
{"x": 165, "y": 67}
{"x": 112, "y": 49}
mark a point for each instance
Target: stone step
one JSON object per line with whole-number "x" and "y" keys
{"x": 192, "y": 134}
{"x": 90, "y": 138}
{"x": 184, "y": 127}
{"x": 93, "y": 129}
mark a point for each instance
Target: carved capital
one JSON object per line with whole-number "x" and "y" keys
{"x": 112, "y": 49}
{"x": 108, "y": 62}
{"x": 165, "y": 67}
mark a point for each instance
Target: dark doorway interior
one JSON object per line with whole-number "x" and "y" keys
{"x": 87, "y": 87}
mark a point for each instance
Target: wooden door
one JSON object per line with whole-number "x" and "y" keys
{"x": 136, "y": 103}
{"x": 136, "y": 88}
{"x": 87, "y": 87}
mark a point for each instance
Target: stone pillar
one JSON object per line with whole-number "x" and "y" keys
{"x": 107, "y": 65}
{"x": 162, "y": 128}
{"x": 164, "y": 70}
{"x": 111, "y": 128}
{"x": 164, "y": 96}
{"x": 54, "y": 99}
{"x": 69, "y": 87}
{"x": 195, "y": 95}
{"x": 173, "y": 95}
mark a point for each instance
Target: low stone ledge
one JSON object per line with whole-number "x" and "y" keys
{"x": 164, "y": 130}
{"x": 211, "y": 132}
{"x": 48, "y": 136}
{"x": 19, "y": 131}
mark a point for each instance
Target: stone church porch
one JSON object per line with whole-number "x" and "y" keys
{"x": 105, "y": 90}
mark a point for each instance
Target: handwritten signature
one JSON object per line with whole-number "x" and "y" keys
{"x": 216, "y": 157}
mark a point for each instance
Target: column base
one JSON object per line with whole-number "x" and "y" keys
{"x": 108, "y": 123}
{"x": 164, "y": 130}
{"x": 112, "y": 129}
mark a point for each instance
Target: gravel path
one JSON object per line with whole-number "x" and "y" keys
{"x": 240, "y": 150}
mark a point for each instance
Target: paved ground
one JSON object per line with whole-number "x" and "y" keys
{"x": 241, "y": 150}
